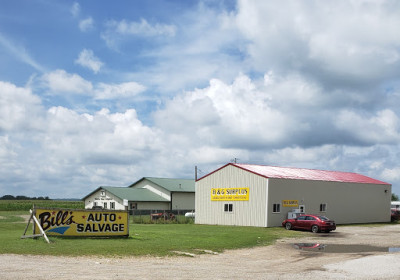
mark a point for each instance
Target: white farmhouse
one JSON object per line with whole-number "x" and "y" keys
{"x": 146, "y": 194}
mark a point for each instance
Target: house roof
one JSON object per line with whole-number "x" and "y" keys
{"x": 132, "y": 194}
{"x": 172, "y": 185}
{"x": 304, "y": 174}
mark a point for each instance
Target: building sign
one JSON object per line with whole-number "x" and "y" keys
{"x": 67, "y": 222}
{"x": 290, "y": 203}
{"x": 229, "y": 194}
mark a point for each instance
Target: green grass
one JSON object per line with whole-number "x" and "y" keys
{"x": 144, "y": 239}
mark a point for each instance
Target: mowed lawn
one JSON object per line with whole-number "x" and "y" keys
{"x": 143, "y": 240}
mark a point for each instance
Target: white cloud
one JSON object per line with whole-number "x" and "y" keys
{"x": 20, "y": 53}
{"x": 237, "y": 115}
{"x": 19, "y": 108}
{"x": 206, "y": 155}
{"x": 253, "y": 120}
{"x": 103, "y": 135}
{"x": 75, "y": 9}
{"x": 113, "y": 91}
{"x": 120, "y": 31}
{"x": 204, "y": 47}
{"x": 384, "y": 127}
{"x": 59, "y": 81}
{"x": 142, "y": 28}
{"x": 319, "y": 90}
{"x": 89, "y": 143}
{"x": 84, "y": 148}
{"x": 86, "y": 24}
{"x": 324, "y": 156}
{"x": 391, "y": 174}
{"x": 293, "y": 90}
{"x": 89, "y": 60}
{"x": 347, "y": 40}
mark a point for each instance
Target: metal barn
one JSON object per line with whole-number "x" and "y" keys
{"x": 263, "y": 196}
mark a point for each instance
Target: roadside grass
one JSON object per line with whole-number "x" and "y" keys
{"x": 144, "y": 239}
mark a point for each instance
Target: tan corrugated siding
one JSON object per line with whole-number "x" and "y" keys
{"x": 346, "y": 202}
{"x": 245, "y": 213}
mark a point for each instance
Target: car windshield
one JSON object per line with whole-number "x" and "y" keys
{"x": 323, "y": 218}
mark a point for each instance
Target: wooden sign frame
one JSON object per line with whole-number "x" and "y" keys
{"x": 42, "y": 233}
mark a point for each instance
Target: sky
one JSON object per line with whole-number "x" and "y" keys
{"x": 102, "y": 93}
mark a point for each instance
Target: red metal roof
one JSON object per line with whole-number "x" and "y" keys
{"x": 305, "y": 174}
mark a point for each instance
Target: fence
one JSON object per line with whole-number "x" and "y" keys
{"x": 160, "y": 216}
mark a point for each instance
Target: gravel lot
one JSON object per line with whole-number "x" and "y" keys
{"x": 280, "y": 261}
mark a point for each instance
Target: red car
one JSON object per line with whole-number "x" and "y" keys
{"x": 395, "y": 215}
{"x": 315, "y": 223}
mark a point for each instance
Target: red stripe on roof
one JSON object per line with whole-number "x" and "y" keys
{"x": 304, "y": 174}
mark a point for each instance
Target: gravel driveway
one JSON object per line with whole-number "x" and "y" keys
{"x": 279, "y": 261}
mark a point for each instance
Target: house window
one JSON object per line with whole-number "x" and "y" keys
{"x": 276, "y": 208}
{"x": 322, "y": 207}
{"x": 112, "y": 205}
{"x": 103, "y": 193}
{"x": 105, "y": 205}
{"x": 228, "y": 207}
{"x": 94, "y": 203}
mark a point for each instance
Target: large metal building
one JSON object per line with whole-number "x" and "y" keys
{"x": 262, "y": 196}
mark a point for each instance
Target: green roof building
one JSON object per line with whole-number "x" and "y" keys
{"x": 148, "y": 193}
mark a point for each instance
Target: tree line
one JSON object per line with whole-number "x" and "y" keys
{"x": 23, "y": 197}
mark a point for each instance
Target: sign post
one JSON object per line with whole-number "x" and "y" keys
{"x": 36, "y": 224}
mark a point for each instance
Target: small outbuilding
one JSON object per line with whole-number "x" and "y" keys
{"x": 263, "y": 196}
{"x": 146, "y": 194}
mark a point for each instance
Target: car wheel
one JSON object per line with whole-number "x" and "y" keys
{"x": 314, "y": 229}
{"x": 288, "y": 226}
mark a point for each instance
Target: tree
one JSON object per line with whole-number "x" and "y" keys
{"x": 395, "y": 197}
{"x": 8, "y": 197}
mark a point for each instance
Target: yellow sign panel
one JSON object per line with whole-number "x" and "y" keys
{"x": 290, "y": 203}
{"x": 67, "y": 222}
{"x": 226, "y": 194}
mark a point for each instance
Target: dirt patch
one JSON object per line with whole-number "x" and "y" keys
{"x": 25, "y": 217}
{"x": 279, "y": 261}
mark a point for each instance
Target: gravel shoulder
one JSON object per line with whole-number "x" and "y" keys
{"x": 279, "y": 261}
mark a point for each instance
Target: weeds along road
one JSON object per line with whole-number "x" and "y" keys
{"x": 279, "y": 261}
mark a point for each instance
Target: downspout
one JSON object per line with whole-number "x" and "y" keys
{"x": 266, "y": 204}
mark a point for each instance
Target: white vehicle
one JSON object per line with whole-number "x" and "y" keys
{"x": 395, "y": 205}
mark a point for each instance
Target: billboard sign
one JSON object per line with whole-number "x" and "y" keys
{"x": 71, "y": 222}
{"x": 229, "y": 194}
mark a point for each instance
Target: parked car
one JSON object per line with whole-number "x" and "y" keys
{"x": 315, "y": 223}
{"x": 97, "y": 207}
{"x": 395, "y": 214}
